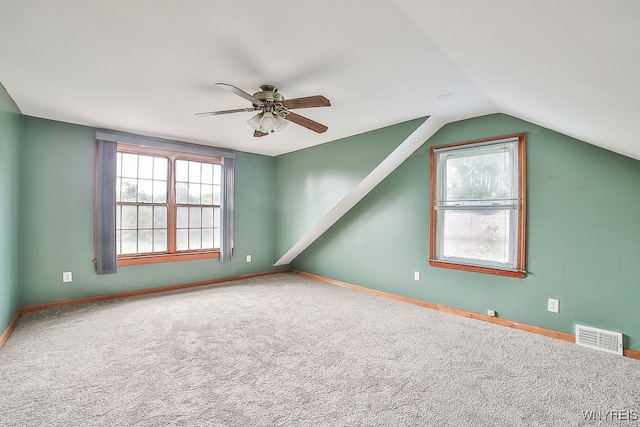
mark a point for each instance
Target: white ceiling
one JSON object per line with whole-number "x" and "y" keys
{"x": 147, "y": 66}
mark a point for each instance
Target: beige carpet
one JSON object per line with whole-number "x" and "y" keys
{"x": 288, "y": 350}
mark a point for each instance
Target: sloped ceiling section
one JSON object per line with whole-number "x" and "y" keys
{"x": 571, "y": 66}
{"x": 148, "y": 66}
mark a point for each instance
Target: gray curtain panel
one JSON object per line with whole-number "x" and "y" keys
{"x": 106, "y": 208}
{"x": 226, "y": 210}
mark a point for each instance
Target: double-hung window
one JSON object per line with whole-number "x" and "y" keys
{"x": 167, "y": 203}
{"x": 478, "y": 192}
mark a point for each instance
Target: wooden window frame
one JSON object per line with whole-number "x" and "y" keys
{"x": 520, "y": 270}
{"x": 169, "y": 256}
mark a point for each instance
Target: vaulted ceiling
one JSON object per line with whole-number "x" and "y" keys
{"x": 147, "y": 66}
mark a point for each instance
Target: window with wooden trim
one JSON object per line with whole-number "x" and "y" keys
{"x": 167, "y": 205}
{"x": 478, "y": 206}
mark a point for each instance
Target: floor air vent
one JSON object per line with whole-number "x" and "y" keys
{"x": 599, "y": 339}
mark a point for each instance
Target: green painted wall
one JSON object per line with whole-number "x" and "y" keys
{"x": 582, "y": 240}
{"x": 57, "y": 174}
{"x": 321, "y": 179}
{"x": 10, "y": 126}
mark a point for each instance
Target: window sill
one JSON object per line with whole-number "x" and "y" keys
{"x": 476, "y": 269}
{"x": 124, "y": 261}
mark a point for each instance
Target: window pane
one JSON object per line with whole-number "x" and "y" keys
{"x": 145, "y": 217}
{"x": 181, "y": 193}
{"x": 145, "y": 191}
{"x": 145, "y": 243}
{"x": 194, "y": 172}
{"x": 129, "y": 242}
{"x": 182, "y": 239}
{"x": 194, "y": 194}
{"x": 159, "y": 217}
{"x": 207, "y": 194}
{"x": 207, "y": 217}
{"x": 216, "y": 217}
{"x": 217, "y": 174}
{"x": 118, "y": 240}
{"x": 119, "y": 164}
{"x": 207, "y": 173}
{"x": 159, "y": 191}
{"x": 207, "y": 238}
{"x": 216, "y": 194}
{"x": 182, "y": 170}
{"x": 480, "y": 174}
{"x": 160, "y": 168}
{"x": 216, "y": 237}
{"x": 118, "y": 185}
{"x": 145, "y": 167}
{"x": 481, "y": 235}
{"x": 195, "y": 215}
{"x": 118, "y": 216}
{"x": 129, "y": 217}
{"x": 129, "y": 167}
{"x": 129, "y": 190}
{"x": 160, "y": 240}
{"x": 194, "y": 239}
{"x": 182, "y": 217}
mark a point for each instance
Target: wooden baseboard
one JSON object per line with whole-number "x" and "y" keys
{"x": 634, "y": 354}
{"x": 7, "y": 332}
{"x": 57, "y": 304}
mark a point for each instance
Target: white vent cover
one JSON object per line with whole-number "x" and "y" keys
{"x": 599, "y": 339}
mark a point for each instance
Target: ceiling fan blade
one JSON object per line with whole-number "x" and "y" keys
{"x": 215, "y": 113}
{"x": 257, "y": 133}
{"x": 240, "y": 92}
{"x": 307, "y": 102}
{"x": 305, "y": 122}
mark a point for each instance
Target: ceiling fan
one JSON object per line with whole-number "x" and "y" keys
{"x": 274, "y": 110}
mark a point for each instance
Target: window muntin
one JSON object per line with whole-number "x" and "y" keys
{"x": 478, "y": 213}
{"x": 167, "y": 204}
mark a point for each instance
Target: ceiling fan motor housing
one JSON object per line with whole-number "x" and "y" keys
{"x": 268, "y": 94}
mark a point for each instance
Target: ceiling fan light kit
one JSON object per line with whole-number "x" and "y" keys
{"x": 274, "y": 112}
{"x": 267, "y": 123}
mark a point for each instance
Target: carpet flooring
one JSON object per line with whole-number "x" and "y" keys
{"x": 286, "y": 350}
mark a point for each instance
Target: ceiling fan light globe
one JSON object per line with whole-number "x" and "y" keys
{"x": 267, "y": 122}
{"x": 254, "y": 122}
{"x": 280, "y": 124}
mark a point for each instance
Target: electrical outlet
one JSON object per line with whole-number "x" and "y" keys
{"x": 67, "y": 277}
{"x": 416, "y": 275}
{"x": 553, "y": 305}
{"x": 491, "y": 313}
{"x": 249, "y": 258}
